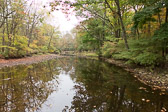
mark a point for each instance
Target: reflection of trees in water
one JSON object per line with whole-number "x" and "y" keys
{"x": 102, "y": 88}
{"x": 25, "y": 88}
{"x": 100, "y": 101}
{"x": 99, "y": 87}
{"x": 67, "y": 65}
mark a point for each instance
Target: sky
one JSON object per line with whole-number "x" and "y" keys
{"x": 65, "y": 24}
{"x": 58, "y": 18}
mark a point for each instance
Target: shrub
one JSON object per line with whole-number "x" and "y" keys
{"x": 141, "y": 52}
{"x": 148, "y": 58}
{"x": 108, "y": 49}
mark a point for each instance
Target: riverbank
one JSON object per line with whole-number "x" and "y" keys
{"x": 157, "y": 78}
{"x": 26, "y": 60}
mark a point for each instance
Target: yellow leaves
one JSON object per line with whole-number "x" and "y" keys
{"x": 164, "y": 109}
{"x": 34, "y": 109}
{"x": 147, "y": 101}
{"x": 163, "y": 90}
{"x": 35, "y": 41}
{"x": 33, "y": 45}
{"x": 142, "y": 88}
{"x": 12, "y": 48}
{"x": 162, "y": 93}
{"x": 144, "y": 100}
{"x": 21, "y": 38}
{"x": 81, "y": 8}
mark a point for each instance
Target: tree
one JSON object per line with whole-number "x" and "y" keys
{"x": 20, "y": 23}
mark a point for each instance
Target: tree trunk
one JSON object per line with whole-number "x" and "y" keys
{"x": 149, "y": 29}
{"x": 122, "y": 24}
{"x": 30, "y": 34}
{"x": 166, "y": 51}
{"x": 32, "y": 28}
{"x": 104, "y": 22}
{"x": 7, "y": 25}
{"x": 166, "y": 18}
{"x": 3, "y": 39}
{"x": 119, "y": 30}
{"x": 163, "y": 52}
{"x": 50, "y": 42}
{"x": 137, "y": 32}
{"x": 166, "y": 21}
{"x": 159, "y": 20}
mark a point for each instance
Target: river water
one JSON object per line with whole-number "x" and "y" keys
{"x": 75, "y": 85}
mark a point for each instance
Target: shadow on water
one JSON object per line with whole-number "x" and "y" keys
{"x": 75, "y": 85}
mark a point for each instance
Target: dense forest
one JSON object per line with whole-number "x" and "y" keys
{"x": 132, "y": 30}
{"x": 127, "y": 41}
{"x": 24, "y": 29}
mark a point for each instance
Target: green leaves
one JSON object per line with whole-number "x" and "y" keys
{"x": 13, "y": 48}
{"x": 162, "y": 33}
{"x": 161, "y": 37}
{"x": 141, "y": 52}
{"x": 147, "y": 58}
{"x": 144, "y": 16}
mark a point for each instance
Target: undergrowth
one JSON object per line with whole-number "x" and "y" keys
{"x": 141, "y": 52}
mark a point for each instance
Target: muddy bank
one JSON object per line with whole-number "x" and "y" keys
{"x": 157, "y": 79}
{"x": 26, "y": 60}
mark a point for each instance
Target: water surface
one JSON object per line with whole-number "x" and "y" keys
{"x": 75, "y": 85}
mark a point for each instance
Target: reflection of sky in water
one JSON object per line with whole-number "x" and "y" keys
{"x": 57, "y": 101}
{"x": 80, "y": 85}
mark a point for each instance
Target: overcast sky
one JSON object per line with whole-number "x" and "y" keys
{"x": 58, "y": 18}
